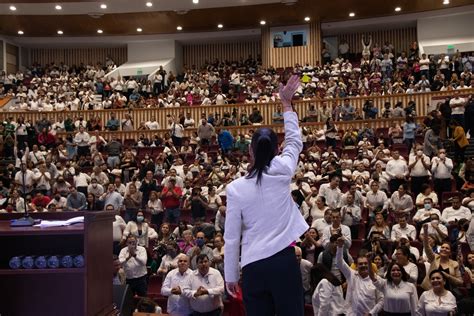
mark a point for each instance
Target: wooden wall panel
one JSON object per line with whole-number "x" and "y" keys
{"x": 12, "y": 58}
{"x": 401, "y": 39}
{"x": 75, "y": 56}
{"x": 198, "y": 54}
{"x": 289, "y": 56}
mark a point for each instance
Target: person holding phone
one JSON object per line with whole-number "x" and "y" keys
{"x": 271, "y": 277}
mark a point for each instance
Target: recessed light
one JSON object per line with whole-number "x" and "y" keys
{"x": 398, "y": 9}
{"x": 307, "y": 19}
{"x": 352, "y": 14}
{"x": 100, "y": 31}
{"x": 12, "y": 8}
{"x": 58, "y": 7}
{"x": 263, "y": 22}
{"x": 149, "y": 4}
{"x": 179, "y": 28}
{"x": 446, "y": 2}
{"x": 220, "y": 26}
{"x": 103, "y": 6}
{"x": 195, "y": 1}
{"x": 60, "y": 32}
{"x": 20, "y": 32}
{"x": 139, "y": 29}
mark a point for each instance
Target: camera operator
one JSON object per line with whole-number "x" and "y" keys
{"x": 198, "y": 205}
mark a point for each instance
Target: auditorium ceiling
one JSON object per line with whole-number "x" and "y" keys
{"x": 47, "y": 18}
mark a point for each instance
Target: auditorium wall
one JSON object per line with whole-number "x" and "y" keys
{"x": 74, "y": 56}
{"x": 400, "y": 38}
{"x": 435, "y": 34}
{"x": 198, "y": 54}
{"x": 12, "y": 57}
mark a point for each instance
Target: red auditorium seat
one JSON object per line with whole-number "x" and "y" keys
{"x": 356, "y": 246}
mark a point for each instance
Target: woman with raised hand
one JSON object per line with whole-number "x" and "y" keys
{"x": 263, "y": 219}
{"x": 400, "y": 296}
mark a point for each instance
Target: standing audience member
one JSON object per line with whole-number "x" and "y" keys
{"x": 133, "y": 259}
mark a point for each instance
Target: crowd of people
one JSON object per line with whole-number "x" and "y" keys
{"x": 59, "y": 87}
{"x": 389, "y": 211}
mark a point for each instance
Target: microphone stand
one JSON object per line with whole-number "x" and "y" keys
{"x": 26, "y": 220}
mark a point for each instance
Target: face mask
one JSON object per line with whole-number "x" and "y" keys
{"x": 200, "y": 242}
{"x": 140, "y": 219}
{"x": 428, "y": 206}
{"x": 442, "y": 156}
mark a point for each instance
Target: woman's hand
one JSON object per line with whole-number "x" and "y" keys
{"x": 287, "y": 92}
{"x": 232, "y": 288}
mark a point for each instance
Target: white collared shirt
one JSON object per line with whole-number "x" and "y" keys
{"x": 327, "y": 299}
{"x": 213, "y": 283}
{"x": 396, "y": 168}
{"x": 401, "y": 298}
{"x": 408, "y": 230}
{"x": 440, "y": 169}
{"x": 178, "y": 305}
{"x": 135, "y": 267}
{"x": 333, "y": 196}
{"x": 362, "y": 296}
{"x": 451, "y": 215}
{"x": 419, "y": 169}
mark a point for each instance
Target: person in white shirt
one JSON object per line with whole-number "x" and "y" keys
{"x": 405, "y": 241}
{"x": 424, "y": 214}
{"x": 24, "y": 179}
{"x": 362, "y": 296}
{"x": 458, "y": 106}
{"x": 402, "y": 258}
{"x": 133, "y": 259}
{"x": 401, "y": 202}
{"x": 251, "y": 202}
{"x": 397, "y": 170}
{"x": 351, "y": 215}
{"x": 441, "y": 167}
{"x": 336, "y": 228}
{"x": 205, "y": 289}
{"x": 331, "y": 192}
{"x": 400, "y": 297}
{"x": 419, "y": 166}
{"x": 81, "y": 139}
{"x": 328, "y": 298}
{"x": 437, "y": 301}
{"x": 305, "y": 268}
{"x": 455, "y": 212}
{"x": 403, "y": 229}
{"x": 173, "y": 285}
{"x": 153, "y": 124}
{"x": 321, "y": 223}
{"x": 375, "y": 199}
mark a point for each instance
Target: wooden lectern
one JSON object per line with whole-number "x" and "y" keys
{"x": 74, "y": 291}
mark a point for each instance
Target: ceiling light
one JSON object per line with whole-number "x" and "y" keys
{"x": 307, "y": 19}
{"x": 60, "y": 32}
{"x": 139, "y": 29}
{"x": 103, "y": 6}
{"x": 220, "y": 26}
{"x": 263, "y": 22}
{"x": 195, "y": 1}
{"x": 398, "y": 9}
{"x": 12, "y": 8}
{"x": 179, "y": 28}
{"x": 149, "y": 4}
{"x": 58, "y": 7}
{"x": 20, "y": 32}
{"x": 444, "y": 2}
{"x": 352, "y": 14}
{"x": 100, "y": 31}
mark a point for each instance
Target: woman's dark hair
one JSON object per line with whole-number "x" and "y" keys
{"x": 264, "y": 147}
{"x": 146, "y": 305}
{"x": 405, "y": 251}
{"x": 320, "y": 272}
{"x": 437, "y": 271}
{"x": 388, "y": 274}
{"x": 299, "y": 198}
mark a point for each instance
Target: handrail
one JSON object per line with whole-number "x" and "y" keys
{"x": 423, "y": 102}
{"x": 245, "y": 129}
